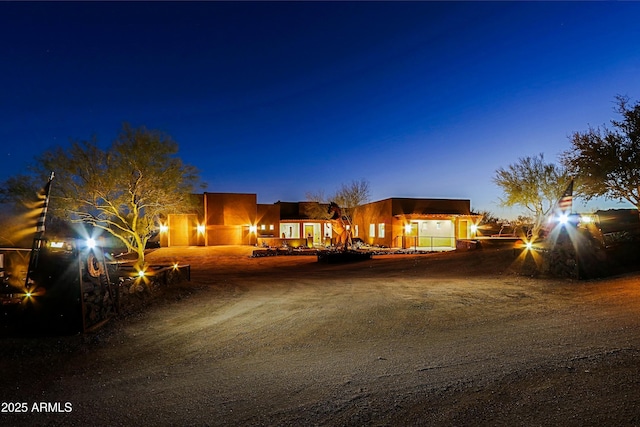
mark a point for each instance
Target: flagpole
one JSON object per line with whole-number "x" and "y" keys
{"x": 39, "y": 235}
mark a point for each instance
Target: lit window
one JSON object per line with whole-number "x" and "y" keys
{"x": 355, "y": 231}
{"x": 289, "y": 230}
{"x": 327, "y": 230}
{"x": 372, "y": 230}
{"x": 263, "y": 227}
{"x": 381, "y": 229}
{"x": 271, "y": 227}
{"x": 438, "y": 225}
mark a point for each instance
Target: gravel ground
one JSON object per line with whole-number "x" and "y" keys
{"x": 436, "y": 339}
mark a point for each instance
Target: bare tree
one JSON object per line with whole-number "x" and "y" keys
{"x": 350, "y": 196}
{"x": 347, "y": 196}
{"x": 317, "y": 196}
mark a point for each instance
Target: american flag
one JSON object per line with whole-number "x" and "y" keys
{"x": 44, "y": 196}
{"x": 566, "y": 201}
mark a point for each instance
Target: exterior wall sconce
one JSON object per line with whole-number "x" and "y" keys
{"x": 200, "y": 228}
{"x": 164, "y": 228}
{"x": 253, "y": 229}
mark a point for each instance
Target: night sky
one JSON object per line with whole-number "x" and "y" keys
{"x": 421, "y": 99}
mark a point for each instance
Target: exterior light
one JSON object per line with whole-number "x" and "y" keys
{"x": 563, "y": 218}
{"x": 164, "y": 228}
{"x": 141, "y": 273}
{"x": 407, "y": 228}
{"x": 528, "y": 245}
{"x": 253, "y": 229}
{"x": 586, "y": 219}
{"x": 200, "y": 228}
{"x": 474, "y": 228}
{"x": 91, "y": 243}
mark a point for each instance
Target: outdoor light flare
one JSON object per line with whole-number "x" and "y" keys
{"x": 142, "y": 276}
{"x": 200, "y": 228}
{"x": 164, "y": 228}
{"x": 91, "y": 243}
{"x": 253, "y": 228}
{"x": 30, "y": 295}
{"x": 563, "y": 218}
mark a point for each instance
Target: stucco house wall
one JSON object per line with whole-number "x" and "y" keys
{"x": 229, "y": 218}
{"x": 409, "y": 222}
{"x": 268, "y": 218}
{"x": 182, "y": 230}
{"x": 237, "y": 219}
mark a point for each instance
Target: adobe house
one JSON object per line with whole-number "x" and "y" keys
{"x": 428, "y": 224}
{"x": 237, "y": 219}
{"x": 226, "y": 219}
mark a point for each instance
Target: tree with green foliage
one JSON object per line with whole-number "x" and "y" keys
{"x": 533, "y": 184}
{"x": 606, "y": 161}
{"x": 124, "y": 190}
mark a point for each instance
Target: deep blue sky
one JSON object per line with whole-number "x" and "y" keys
{"x": 421, "y": 99}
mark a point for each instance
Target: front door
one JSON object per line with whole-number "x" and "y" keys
{"x": 308, "y": 234}
{"x": 411, "y": 237}
{"x": 313, "y": 233}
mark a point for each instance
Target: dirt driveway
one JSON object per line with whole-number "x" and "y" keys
{"x": 438, "y": 339}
